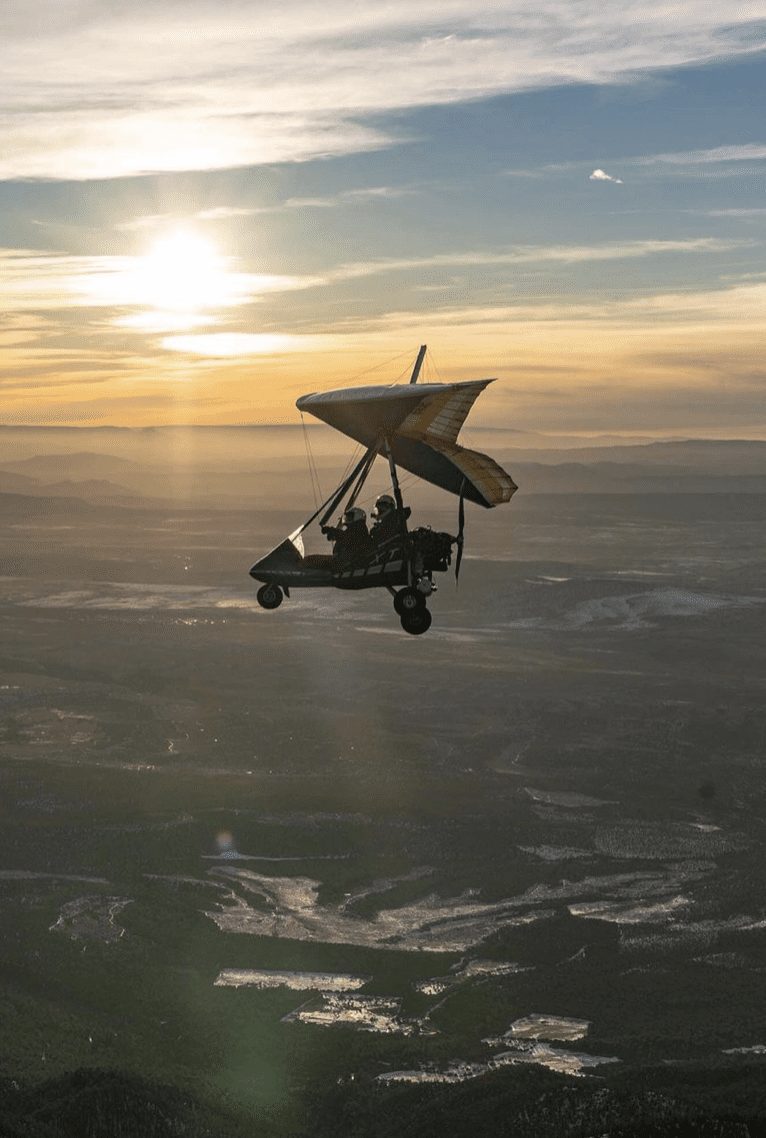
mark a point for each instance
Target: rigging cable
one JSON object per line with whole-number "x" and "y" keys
{"x": 314, "y": 463}
{"x": 434, "y": 368}
{"x": 313, "y": 474}
{"x": 375, "y": 367}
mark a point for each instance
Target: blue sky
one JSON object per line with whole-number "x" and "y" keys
{"x": 569, "y": 198}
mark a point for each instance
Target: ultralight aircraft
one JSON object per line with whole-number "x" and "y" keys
{"x": 415, "y": 428}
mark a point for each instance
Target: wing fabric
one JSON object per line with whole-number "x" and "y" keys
{"x": 449, "y": 466}
{"x": 442, "y": 414}
{"x": 421, "y": 423}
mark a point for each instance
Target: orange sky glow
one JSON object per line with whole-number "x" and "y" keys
{"x": 579, "y": 216}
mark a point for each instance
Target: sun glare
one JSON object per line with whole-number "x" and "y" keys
{"x": 184, "y": 273}
{"x": 181, "y": 282}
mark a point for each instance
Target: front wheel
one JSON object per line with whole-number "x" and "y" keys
{"x": 408, "y": 600}
{"x": 417, "y": 622}
{"x": 269, "y": 596}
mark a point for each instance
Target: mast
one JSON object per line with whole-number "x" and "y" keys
{"x": 401, "y": 515}
{"x": 418, "y": 363}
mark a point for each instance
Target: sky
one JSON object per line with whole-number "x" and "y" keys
{"x": 210, "y": 207}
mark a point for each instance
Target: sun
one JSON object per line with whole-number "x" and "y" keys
{"x": 180, "y": 282}
{"x": 184, "y": 272}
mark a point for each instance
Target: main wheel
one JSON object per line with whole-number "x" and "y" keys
{"x": 416, "y": 622}
{"x": 269, "y": 596}
{"x": 408, "y": 600}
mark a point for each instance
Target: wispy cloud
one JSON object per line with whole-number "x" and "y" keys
{"x": 720, "y": 156}
{"x": 684, "y": 359}
{"x": 103, "y": 90}
{"x": 146, "y": 221}
{"x": 223, "y": 345}
{"x": 740, "y": 306}
{"x": 224, "y": 212}
{"x": 39, "y": 281}
{"x": 151, "y": 221}
{"x": 756, "y": 211}
{"x": 346, "y": 197}
{"x": 34, "y": 280}
{"x": 743, "y": 152}
{"x": 538, "y": 254}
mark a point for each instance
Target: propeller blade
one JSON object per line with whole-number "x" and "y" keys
{"x": 460, "y": 533}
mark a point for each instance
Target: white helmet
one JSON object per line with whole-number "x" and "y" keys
{"x": 353, "y": 516}
{"x": 383, "y": 505}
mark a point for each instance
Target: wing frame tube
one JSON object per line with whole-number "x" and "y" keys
{"x": 283, "y": 564}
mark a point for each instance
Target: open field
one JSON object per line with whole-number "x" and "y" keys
{"x": 551, "y": 806}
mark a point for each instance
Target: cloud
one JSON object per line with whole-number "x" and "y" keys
{"x": 740, "y": 306}
{"x": 161, "y": 220}
{"x": 226, "y": 212}
{"x": 45, "y": 281}
{"x": 238, "y": 344}
{"x": 101, "y": 90}
{"x": 367, "y": 193}
{"x": 537, "y": 254}
{"x": 153, "y": 320}
{"x": 743, "y": 152}
{"x": 39, "y": 280}
{"x": 758, "y": 211}
{"x": 669, "y": 361}
{"x": 146, "y": 221}
{"x": 602, "y": 176}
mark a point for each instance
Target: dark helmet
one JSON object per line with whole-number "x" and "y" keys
{"x": 354, "y": 516}
{"x": 385, "y": 504}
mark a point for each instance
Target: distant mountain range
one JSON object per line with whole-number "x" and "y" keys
{"x": 723, "y": 456}
{"x": 630, "y": 478}
{"x": 277, "y": 475}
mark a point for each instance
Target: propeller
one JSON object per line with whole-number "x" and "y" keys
{"x": 460, "y": 532}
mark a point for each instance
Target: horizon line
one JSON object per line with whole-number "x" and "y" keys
{"x": 646, "y": 436}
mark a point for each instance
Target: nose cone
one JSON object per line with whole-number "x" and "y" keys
{"x": 284, "y": 559}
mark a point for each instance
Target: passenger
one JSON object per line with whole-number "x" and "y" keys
{"x": 353, "y": 545}
{"x": 388, "y": 524}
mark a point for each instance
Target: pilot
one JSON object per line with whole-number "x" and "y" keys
{"x": 352, "y": 540}
{"x": 387, "y": 523}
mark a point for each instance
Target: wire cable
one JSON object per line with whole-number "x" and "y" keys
{"x": 310, "y": 461}
{"x": 375, "y": 367}
{"x": 314, "y": 464}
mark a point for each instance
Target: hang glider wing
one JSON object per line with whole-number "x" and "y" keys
{"x": 421, "y": 423}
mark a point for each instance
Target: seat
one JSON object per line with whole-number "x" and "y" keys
{"x": 319, "y": 561}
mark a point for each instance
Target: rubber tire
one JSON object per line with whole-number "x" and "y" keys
{"x": 417, "y": 622}
{"x": 408, "y": 600}
{"x": 269, "y": 596}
